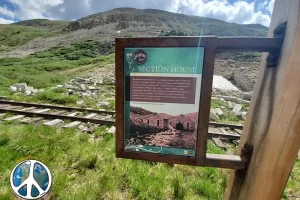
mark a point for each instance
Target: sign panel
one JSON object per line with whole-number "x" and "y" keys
{"x": 163, "y": 92}
{"x": 162, "y": 95}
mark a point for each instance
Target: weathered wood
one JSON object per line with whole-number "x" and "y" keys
{"x": 72, "y": 124}
{"x": 53, "y": 122}
{"x": 273, "y": 121}
{"x": 27, "y": 109}
{"x": 222, "y": 135}
{"x": 219, "y": 143}
{"x": 42, "y": 111}
{"x": 14, "y": 118}
{"x": 73, "y": 114}
{"x": 90, "y": 115}
{"x": 238, "y": 44}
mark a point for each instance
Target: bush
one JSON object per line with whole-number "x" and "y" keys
{"x": 72, "y": 56}
{"x": 54, "y": 97}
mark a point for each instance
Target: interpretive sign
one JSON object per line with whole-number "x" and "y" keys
{"x": 163, "y": 97}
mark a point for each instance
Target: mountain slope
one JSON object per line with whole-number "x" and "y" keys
{"x": 27, "y": 37}
{"x": 155, "y": 21}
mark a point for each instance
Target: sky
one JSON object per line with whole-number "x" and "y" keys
{"x": 235, "y": 11}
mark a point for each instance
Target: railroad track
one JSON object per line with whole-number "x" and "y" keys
{"x": 72, "y": 117}
{"x": 68, "y": 117}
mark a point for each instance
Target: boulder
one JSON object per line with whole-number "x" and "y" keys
{"x": 81, "y": 102}
{"x": 27, "y": 92}
{"x": 112, "y": 130}
{"x": 30, "y": 88}
{"x": 82, "y": 87}
{"x": 72, "y": 87}
{"x": 222, "y": 100}
{"x": 247, "y": 96}
{"x": 103, "y": 104}
{"x": 71, "y": 92}
{"x": 12, "y": 89}
{"x": 237, "y": 110}
{"x": 22, "y": 87}
{"x": 91, "y": 88}
{"x": 230, "y": 104}
{"x": 213, "y": 116}
{"x": 219, "y": 112}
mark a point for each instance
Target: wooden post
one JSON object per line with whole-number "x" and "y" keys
{"x": 273, "y": 123}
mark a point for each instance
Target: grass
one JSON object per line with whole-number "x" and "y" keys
{"x": 44, "y": 72}
{"x": 14, "y": 35}
{"x": 83, "y": 169}
{"x": 292, "y": 188}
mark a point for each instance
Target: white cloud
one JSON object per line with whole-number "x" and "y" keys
{"x": 5, "y": 21}
{"x": 4, "y": 11}
{"x": 238, "y": 12}
{"x": 34, "y": 9}
{"x": 263, "y": 5}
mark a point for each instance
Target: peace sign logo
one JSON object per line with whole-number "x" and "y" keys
{"x": 31, "y": 179}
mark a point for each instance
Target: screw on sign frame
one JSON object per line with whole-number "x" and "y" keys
{"x": 30, "y": 181}
{"x": 211, "y": 45}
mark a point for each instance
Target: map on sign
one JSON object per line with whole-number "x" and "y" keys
{"x": 31, "y": 179}
{"x": 162, "y": 95}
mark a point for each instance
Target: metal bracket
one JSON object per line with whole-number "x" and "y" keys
{"x": 246, "y": 154}
{"x": 273, "y": 56}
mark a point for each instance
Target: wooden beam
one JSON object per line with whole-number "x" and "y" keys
{"x": 272, "y": 126}
{"x": 247, "y": 44}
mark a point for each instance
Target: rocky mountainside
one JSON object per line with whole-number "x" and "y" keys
{"x": 31, "y": 36}
{"x": 162, "y": 22}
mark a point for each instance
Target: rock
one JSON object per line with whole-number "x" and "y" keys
{"x": 103, "y": 104}
{"x": 41, "y": 90}
{"x": 72, "y": 87}
{"x": 219, "y": 112}
{"x": 84, "y": 94}
{"x": 30, "y": 88}
{"x": 228, "y": 98}
{"x": 59, "y": 86}
{"x": 230, "y": 104}
{"x": 82, "y": 128}
{"x": 247, "y": 96}
{"x": 244, "y": 113}
{"x": 27, "y": 92}
{"x": 35, "y": 91}
{"x": 71, "y": 92}
{"x": 213, "y": 116}
{"x": 236, "y": 110}
{"x": 82, "y": 87}
{"x": 243, "y": 101}
{"x": 81, "y": 102}
{"x": 22, "y": 87}
{"x": 91, "y": 88}
{"x": 112, "y": 130}
{"x": 222, "y": 100}
{"x": 12, "y": 89}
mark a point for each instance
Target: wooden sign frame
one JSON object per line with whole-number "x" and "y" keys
{"x": 211, "y": 45}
